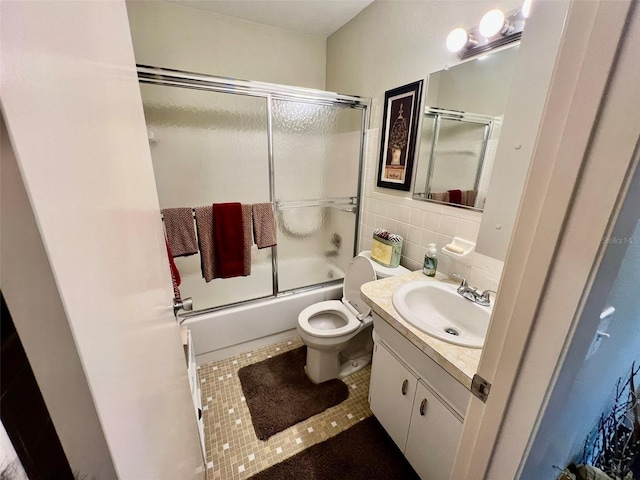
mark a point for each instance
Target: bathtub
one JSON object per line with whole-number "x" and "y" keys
{"x": 231, "y": 330}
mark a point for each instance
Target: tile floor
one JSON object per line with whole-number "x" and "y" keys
{"x": 233, "y": 451}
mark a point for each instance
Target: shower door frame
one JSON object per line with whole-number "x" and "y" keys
{"x": 270, "y": 92}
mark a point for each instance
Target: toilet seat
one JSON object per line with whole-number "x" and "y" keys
{"x": 328, "y": 308}
{"x": 360, "y": 271}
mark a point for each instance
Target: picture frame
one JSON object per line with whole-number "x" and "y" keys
{"x": 399, "y": 136}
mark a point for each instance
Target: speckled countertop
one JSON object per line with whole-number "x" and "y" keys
{"x": 460, "y": 362}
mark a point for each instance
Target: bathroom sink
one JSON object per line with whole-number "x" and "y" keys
{"x": 438, "y": 310}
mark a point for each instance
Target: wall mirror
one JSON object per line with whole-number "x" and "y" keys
{"x": 460, "y": 130}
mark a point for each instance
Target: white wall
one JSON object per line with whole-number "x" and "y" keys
{"x": 184, "y": 38}
{"x": 74, "y": 115}
{"x": 387, "y": 45}
{"x": 33, "y": 299}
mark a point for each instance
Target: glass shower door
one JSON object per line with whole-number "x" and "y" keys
{"x": 209, "y": 147}
{"x": 316, "y": 151}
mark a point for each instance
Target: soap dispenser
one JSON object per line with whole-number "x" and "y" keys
{"x": 430, "y": 261}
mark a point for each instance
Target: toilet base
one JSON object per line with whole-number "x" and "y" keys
{"x": 352, "y": 366}
{"x": 322, "y": 365}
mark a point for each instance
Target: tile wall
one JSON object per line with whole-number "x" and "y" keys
{"x": 421, "y": 223}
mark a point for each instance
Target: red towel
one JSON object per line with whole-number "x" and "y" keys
{"x": 228, "y": 233}
{"x": 455, "y": 196}
{"x": 175, "y": 274}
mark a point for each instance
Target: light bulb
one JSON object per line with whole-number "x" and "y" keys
{"x": 526, "y": 8}
{"x": 492, "y": 23}
{"x": 457, "y": 40}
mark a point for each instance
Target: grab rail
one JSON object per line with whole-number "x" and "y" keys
{"x": 330, "y": 202}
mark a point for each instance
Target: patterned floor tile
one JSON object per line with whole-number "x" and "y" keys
{"x": 233, "y": 451}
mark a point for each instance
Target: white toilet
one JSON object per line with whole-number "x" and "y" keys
{"x": 337, "y": 333}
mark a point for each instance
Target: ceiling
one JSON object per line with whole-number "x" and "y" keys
{"x": 314, "y": 17}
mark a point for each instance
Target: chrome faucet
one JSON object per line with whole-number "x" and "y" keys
{"x": 485, "y": 298}
{"x": 471, "y": 293}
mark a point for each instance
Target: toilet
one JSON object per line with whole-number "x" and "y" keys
{"x": 337, "y": 333}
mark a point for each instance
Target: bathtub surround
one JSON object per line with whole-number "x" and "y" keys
{"x": 364, "y": 451}
{"x": 279, "y": 394}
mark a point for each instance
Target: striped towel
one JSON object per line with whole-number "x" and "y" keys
{"x": 264, "y": 226}
{"x": 248, "y": 239}
{"x": 178, "y": 226}
{"x": 204, "y": 225}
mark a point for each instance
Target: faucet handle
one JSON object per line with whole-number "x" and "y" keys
{"x": 463, "y": 281}
{"x": 485, "y": 298}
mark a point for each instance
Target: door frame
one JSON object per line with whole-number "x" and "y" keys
{"x": 565, "y": 212}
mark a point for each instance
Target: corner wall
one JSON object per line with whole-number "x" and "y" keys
{"x": 387, "y": 45}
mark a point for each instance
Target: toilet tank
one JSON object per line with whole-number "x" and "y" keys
{"x": 381, "y": 270}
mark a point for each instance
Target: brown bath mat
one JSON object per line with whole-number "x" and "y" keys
{"x": 279, "y": 394}
{"x": 363, "y": 452}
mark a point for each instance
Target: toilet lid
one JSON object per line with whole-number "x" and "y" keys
{"x": 359, "y": 272}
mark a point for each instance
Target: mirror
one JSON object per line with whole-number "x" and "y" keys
{"x": 460, "y": 130}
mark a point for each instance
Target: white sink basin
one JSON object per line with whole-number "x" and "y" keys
{"x": 438, "y": 310}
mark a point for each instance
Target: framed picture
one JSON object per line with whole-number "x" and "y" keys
{"x": 399, "y": 134}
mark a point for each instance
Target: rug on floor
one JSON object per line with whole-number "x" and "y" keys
{"x": 363, "y": 452}
{"x": 279, "y": 394}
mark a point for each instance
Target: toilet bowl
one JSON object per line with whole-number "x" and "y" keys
{"x": 337, "y": 333}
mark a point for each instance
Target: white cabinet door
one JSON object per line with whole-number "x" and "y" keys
{"x": 391, "y": 394}
{"x": 433, "y": 437}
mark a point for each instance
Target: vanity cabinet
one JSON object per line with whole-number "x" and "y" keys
{"x": 392, "y": 392}
{"x": 434, "y": 433}
{"x": 417, "y": 402}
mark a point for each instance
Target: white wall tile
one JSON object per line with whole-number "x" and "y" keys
{"x": 443, "y": 240}
{"x": 392, "y": 211}
{"x": 414, "y": 234}
{"x": 417, "y": 217}
{"x": 488, "y": 264}
{"x": 483, "y": 280}
{"x": 404, "y": 214}
{"x": 448, "y": 225}
{"x": 402, "y": 229}
{"x": 468, "y": 230}
{"x": 432, "y": 221}
{"x": 428, "y": 237}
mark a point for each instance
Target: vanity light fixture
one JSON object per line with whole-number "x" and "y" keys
{"x": 459, "y": 39}
{"x": 496, "y": 29}
{"x": 493, "y": 23}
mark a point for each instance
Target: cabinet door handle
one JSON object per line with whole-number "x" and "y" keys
{"x": 405, "y": 385}
{"x": 423, "y": 406}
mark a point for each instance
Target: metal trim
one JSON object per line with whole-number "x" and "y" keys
{"x": 329, "y": 202}
{"x": 180, "y": 78}
{"x": 285, "y": 293}
{"x": 459, "y": 115}
{"x": 480, "y": 387}
{"x": 272, "y": 191}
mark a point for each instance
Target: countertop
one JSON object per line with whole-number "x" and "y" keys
{"x": 460, "y": 362}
